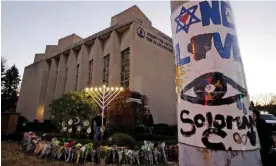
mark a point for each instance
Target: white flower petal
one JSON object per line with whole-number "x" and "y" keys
{"x": 70, "y": 121}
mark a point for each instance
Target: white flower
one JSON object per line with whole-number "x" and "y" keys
{"x": 70, "y": 130}
{"x": 70, "y": 122}
{"x": 85, "y": 123}
{"x": 63, "y": 123}
{"x": 64, "y": 128}
{"x": 88, "y": 130}
{"x": 79, "y": 128}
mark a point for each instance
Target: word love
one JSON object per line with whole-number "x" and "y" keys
{"x": 215, "y": 126}
{"x": 202, "y": 43}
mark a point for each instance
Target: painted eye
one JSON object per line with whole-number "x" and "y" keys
{"x": 210, "y": 88}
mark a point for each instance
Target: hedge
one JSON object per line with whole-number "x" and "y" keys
{"x": 46, "y": 127}
{"x": 153, "y": 137}
{"x": 122, "y": 140}
{"x": 160, "y": 129}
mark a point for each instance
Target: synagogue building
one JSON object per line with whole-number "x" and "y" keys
{"x": 131, "y": 53}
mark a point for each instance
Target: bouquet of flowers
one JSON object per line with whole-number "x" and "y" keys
{"x": 73, "y": 151}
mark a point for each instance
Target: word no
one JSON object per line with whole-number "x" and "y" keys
{"x": 213, "y": 13}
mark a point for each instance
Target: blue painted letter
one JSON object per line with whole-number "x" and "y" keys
{"x": 225, "y": 8}
{"x": 208, "y": 12}
{"x": 179, "y": 61}
{"x": 230, "y": 43}
{"x": 224, "y": 51}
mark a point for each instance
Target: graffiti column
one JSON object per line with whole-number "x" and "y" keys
{"x": 215, "y": 126}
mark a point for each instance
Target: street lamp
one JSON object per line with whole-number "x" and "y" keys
{"x": 103, "y": 96}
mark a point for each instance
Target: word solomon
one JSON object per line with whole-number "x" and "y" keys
{"x": 215, "y": 126}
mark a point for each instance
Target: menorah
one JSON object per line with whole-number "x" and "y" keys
{"x": 103, "y": 96}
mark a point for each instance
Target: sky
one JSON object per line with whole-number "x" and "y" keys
{"x": 27, "y": 27}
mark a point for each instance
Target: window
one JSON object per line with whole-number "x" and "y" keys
{"x": 90, "y": 71}
{"x": 125, "y": 68}
{"x": 106, "y": 70}
{"x": 77, "y": 76}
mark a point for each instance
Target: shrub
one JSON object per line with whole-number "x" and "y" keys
{"x": 123, "y": 140}
{"x": 160, "y": 129}
{"x": 164, "y": 129}
{"x": 13, "y": 137}
{"x": 171, "y": 142}
{"x": 161, "y": 125}
{"x": 78, "y": 106}
{"x": 45, "y": 127}
{"x": 50, "y": 136}
{"x": 154, "y": 137}
{"x": 139, "y": 130}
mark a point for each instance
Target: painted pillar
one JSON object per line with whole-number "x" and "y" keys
{"x": 84, "y": 67}
{"x": 215, "y": 126}
{"x": 52, "y": 80}
{"x": 45, "y": 70}
{"x": 97, "y": 55}
{"x": 131, "y": 57}
{"x": 115, "y": 61}
{"x": 61, "y": 76}
{"x": 72, "y": 71}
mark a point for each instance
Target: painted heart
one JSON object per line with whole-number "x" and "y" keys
{"x": 237, "y": 138}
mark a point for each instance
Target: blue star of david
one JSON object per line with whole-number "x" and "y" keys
{"x": 193, "y": 19}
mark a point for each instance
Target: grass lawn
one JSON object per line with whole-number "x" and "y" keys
{"x": 12, "y": 155}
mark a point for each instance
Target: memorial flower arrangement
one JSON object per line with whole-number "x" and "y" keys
{"x": 76, "y": 126}
{"x": 73, "y": 112}
{"x": 71, "y": 151}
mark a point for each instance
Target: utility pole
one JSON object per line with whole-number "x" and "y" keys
{"x": 215, "y": 125}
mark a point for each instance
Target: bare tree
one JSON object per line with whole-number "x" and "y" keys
{"x": 265, "y": 102}
{"x": 264, "y": 99}
{"x": 273, "y": 100}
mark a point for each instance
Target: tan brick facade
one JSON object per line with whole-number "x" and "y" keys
{"x": 76, "y": 63}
